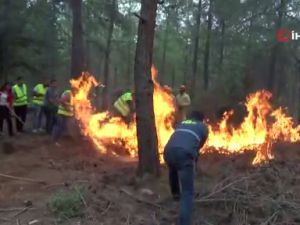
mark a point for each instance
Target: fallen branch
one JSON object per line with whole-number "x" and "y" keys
{"x": 21, "y": 212}
{"x": 107, "y": 208}
{"x": 270, "y": 218}
{"x": 139, "y": 199}
{"x": 11, "y": 209}
{"x": 65, "y": 184}
{"x": 223, "y": 188}
{"x": 23, "y": 179}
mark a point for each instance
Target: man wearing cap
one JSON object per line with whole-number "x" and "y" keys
{"x": 183, "y": 102}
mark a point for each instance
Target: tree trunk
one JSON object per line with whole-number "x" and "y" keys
{"x": 207, "y": 47}
{"x": 276, "y": 48}
{"x": 196, "y": 49}
{"x": 146, "y": 130}
{"x": 165, "y": 46}
{"x": 173, "y": 77}
{"x": 186, "y": 63}
{"x": 222, "y": 45}
{"x": 129, "y": 65}
{"x": 78, "y": 57}
{"x": 107, "y": 54}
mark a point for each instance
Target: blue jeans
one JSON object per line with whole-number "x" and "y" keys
{"x": 181, "y": 173}
{"x": 38, "y": 112}
{"x": 60, "y": 126}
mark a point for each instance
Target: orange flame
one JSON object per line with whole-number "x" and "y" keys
{"x": 257, "y": 132}
{"x": 106, "y": 131}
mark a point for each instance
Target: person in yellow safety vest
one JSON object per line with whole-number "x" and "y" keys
{"x": 20, "y": 103}
{"x": 39, "y": 92}
{"x": 124, "y": 106}
{"x": 64, "y": 114}
{"x": 183, "y": 102}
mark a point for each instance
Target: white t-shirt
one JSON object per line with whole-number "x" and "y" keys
{"x": 3, "y": 99}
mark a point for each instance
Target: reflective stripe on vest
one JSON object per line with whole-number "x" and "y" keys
{"x": 20, "y": 95}
{"x": 62, "y": 110}
{"x": 121, "y": 104}
{"x": 190, "y": 132}
{"x": 40, "y": 90}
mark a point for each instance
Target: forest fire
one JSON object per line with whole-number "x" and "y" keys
{"x": 259, "y": 130}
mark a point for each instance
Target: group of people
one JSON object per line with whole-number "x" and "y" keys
{"x": 47, "y": 105}
{"x": 181, "y": 152}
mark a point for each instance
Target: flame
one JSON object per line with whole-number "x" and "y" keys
{"x": 256, "y": 132}
{"x": 110, "y": 133}
{"x": 260, "y": 129}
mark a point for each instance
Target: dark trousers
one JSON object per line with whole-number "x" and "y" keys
{"x": 5, "y": 115}
{"x": 21, "y": 112}
{"x": 50, "y": 113}
{"x": 60, "y": 127}
{"x": 181, "y": 174}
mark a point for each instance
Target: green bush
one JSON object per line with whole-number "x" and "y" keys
{"x": 67, "y": 203}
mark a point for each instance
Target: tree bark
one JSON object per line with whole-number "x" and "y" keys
{"x": 77, "y": 56}
{"x": 207, "y": 48}
{"x": 107, "y": 54}
{"x": 222, "y": 44}
{"x": 146, "y": 130}
{"x": 165, "y": 46}
{"x": 276, "y": 48}
{"x": 196, "y": 49}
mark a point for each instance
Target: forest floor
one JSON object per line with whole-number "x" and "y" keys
{"x": 229, "y": 189}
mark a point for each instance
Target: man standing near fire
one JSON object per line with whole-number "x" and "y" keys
{"x": 20, "y": 103}
{"x": 64, "y": 115}
{"x": 124, "y": 106}
{"x": 181, "y": 154}
{"x": 39, "y": 92}
{"x": 183, "y": 102}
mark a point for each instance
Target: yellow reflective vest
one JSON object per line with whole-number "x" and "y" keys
{"x": 67, "y": 108}
{"x": 40, "y": 89}
{"x": 21, "y": 97}
{"x": 121, "y": 104}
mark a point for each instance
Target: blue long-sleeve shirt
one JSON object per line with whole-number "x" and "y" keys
{"x": 189, "y": 135}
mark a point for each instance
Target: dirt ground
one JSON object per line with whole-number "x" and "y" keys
{"x": 229, "y": 189}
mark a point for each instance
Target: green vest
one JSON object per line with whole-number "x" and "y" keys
{"x": 21, "y": 98}
{"x": 66, "y": 111}
{"x": 121, "y": 104}
{"x": 41, "y": 90}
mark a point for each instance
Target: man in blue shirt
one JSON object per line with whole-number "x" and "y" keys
{"x": 181, "y": 154}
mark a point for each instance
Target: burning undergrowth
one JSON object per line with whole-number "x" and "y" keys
{"x": 261, "y": 128}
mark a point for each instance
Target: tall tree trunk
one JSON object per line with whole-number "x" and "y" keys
{"x": 276, "y": 48}
{"x": 146, "y": 129}
{"x": 173, "y": 78}
{"x": 165, "y": 46}
{"x": 207, "y": 47}
{"x": 196, "y": 49}
{"x": 222, "y": 45}
{"x": 186, "y": 63}
{"x": 129, "y": 65}
{"x": 107, "y": 54}
{"x": 78, "y": 57}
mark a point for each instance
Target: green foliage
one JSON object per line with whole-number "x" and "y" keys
{"x": 67, "y": 204}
